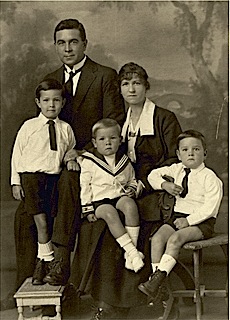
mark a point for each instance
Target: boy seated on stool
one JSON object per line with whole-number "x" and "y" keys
{"x": 198, "y": 193}
{"x": 37, "y": 157}
{"x": 108, "y": 184}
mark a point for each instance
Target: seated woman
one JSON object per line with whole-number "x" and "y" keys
{"x": 149, "y": 136}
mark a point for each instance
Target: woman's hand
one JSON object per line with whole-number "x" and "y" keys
{"x": 181, "y": 223}
{"x": 72, "y": 165}
{"x": 18, "y": 192}
{"x": 171, "y": 188}
{"x": 91, "y": 217}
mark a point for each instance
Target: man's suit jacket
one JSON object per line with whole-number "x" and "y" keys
{"x": 97, "y": 96}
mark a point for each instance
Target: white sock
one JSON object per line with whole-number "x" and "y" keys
{"x": 133, "y": 232}
{"x": 167, "y": 263}
{"x": 133, "y": 254}
{"x": 45, "y": 251}
{"x": 154, "y": 266}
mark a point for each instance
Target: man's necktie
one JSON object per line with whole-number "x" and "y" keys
{"x": 69, "y": 83}
{"x": 185, "y": 183}
{"x": 52, "y": 133}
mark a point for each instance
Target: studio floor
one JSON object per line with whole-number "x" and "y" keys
{"x": 215, "y": 271}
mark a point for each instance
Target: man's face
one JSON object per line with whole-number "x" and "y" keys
{"x": 69, "y": 46}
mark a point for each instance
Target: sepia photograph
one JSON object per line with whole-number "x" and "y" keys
{"x": 114, "y": 160}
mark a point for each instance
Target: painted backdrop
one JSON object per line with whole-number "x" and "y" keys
{"x": 182, "y": 45}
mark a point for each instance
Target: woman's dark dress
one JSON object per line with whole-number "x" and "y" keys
{"x": 98, "y": 267}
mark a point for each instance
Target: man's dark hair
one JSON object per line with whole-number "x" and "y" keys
{"x": 70, "y": 24}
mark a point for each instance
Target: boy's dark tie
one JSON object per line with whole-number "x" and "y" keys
{"x": 52, "y": 133}
{"x": 185, "y": 183}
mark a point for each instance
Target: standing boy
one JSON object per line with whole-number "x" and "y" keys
{"x": 198, "y": 193}
{"x": 38, "y": 153}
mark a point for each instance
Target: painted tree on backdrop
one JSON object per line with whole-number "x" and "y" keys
{"x": 197, "y": 23}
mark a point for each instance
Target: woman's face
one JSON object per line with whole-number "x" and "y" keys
{"x": 133, "y": 90}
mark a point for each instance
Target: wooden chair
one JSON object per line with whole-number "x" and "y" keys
{"x": 199, "y": 290}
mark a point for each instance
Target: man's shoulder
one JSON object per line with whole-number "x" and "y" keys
{"x": 56, "y": 74}
{"x": 98, "y": 67}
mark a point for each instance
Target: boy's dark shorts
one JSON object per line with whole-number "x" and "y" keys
{"x": 206, "y": 227}
{"x": 112, "y": 202}
{"x": 40, "y": 192}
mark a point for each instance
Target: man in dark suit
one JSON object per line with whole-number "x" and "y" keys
{"x": 92, "y": 94}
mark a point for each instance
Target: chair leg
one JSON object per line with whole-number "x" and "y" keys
{"x": 196, "y": 261}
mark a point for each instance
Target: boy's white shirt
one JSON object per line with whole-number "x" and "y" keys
{"x": 32, "y": 153}
{"x": 204, "y": 191}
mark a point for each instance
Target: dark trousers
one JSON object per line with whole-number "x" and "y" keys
{"x": 66, "y": 225}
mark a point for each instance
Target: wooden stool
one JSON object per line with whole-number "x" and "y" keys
{"x": 199, "y": 289}
{"x": 31, "y": 295}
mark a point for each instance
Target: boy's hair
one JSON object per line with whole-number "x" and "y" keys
{"x": 49, "y": 84}
{"x": 129, "y": 70}
{"x": 191, "y": 134}
{"x": 105, "y": 123}
{"x": 70, "y": 24}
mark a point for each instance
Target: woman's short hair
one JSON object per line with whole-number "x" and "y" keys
{"x": 49, "y": 84}
{"x": 70, "y": 24}
{"x": 105, "y": 123}
{"x": 129, "y": 70}
{"x": 192, "y": 134}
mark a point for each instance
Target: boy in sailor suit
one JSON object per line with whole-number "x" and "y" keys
{"x": 108, "y": 184}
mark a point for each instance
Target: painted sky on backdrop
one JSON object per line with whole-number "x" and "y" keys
{"x": 140, "y": 36}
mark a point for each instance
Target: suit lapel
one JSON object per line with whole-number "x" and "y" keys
{"x": 86, "y": 78}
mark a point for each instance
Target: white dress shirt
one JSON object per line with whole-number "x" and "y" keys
{"x": 76, "y": 76}
{"x": 204, "y": 191}
{"x": 32, "y": 153}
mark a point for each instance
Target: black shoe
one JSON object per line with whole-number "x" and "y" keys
{"x": 57, "y": 275}
{"x": 151, "y": 287}
{"x": 39, "y": 272}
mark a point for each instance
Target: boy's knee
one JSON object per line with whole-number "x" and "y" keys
{"x": 175, "y": 240}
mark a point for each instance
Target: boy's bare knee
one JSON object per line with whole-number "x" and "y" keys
{"x": 175, "y": 240}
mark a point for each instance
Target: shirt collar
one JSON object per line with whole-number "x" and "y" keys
{"x": 76, "y": 67}
{"x": 44, "y": 120}
{"x": 146, "y": 120}
{"x": 195, "y": 171}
